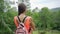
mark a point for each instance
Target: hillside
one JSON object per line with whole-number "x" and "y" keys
{"x": 56, "y": 9}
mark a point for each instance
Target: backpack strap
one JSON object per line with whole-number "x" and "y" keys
{"x": 23, "y": 19}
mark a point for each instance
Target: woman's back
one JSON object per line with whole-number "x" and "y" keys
{"x": 28, "y": 20}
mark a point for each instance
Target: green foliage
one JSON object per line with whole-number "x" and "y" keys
{"x": 1, "y": 6}
{"x": 45, "y": 19}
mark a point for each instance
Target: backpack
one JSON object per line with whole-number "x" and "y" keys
{"x": 21, "y": 29}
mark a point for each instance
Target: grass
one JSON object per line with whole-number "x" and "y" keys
{"x": 53, "y": 32}
{"x": 35, "y": 32}
{"x": 47, "y": 32}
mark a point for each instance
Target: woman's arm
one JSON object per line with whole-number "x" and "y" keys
{"x": 15, "y": 21}
{"x": 32, "y": 24}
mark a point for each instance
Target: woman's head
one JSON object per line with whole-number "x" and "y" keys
{"x": 21, "y": 8}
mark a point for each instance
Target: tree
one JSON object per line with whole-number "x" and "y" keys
{"x": 1, "y": 6}
{"x": 57, "y": 21}
{"x": 44, "y": 17}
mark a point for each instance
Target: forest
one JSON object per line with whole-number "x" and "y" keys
{"x": 47, "y": 21}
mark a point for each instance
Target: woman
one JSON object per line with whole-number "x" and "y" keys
{"x": 28, "y": 20}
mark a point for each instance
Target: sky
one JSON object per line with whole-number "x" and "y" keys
{"x": 43, "y": 3}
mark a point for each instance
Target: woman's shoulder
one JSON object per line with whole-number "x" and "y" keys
{"x": 15, "y": 17}
{"x": 29, "y": 17}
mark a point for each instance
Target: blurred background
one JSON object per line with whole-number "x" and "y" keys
{"x": 45, "y": 13}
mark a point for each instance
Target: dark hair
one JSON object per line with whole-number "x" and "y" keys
{"x": 21, "y": 8}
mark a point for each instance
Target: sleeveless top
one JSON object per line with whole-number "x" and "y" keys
{"x": 26, "y": 22}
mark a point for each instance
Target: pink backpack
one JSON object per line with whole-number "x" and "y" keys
{"x": 21, "y": 29}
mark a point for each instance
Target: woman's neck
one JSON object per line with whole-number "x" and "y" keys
{"x": 23, "y": 14}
